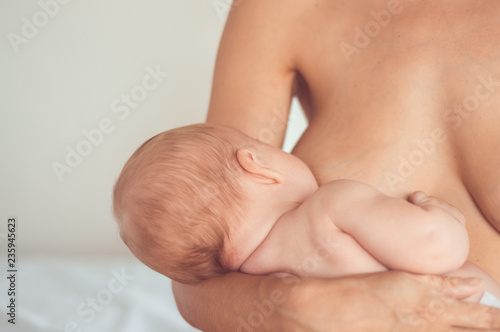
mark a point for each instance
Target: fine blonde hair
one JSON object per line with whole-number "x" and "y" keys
{"x": 175, "y": 199}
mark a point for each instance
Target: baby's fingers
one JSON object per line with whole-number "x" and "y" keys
{"x": 417, "y": 197}
{"x": 421, "y": 199}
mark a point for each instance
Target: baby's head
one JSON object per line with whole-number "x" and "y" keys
{"x": 176, "y": 199}
{"x": 195, "y": 202}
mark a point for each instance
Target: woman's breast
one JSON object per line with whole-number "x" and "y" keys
{"x": 416, "y": 109}
{"x": 403, "y": 151}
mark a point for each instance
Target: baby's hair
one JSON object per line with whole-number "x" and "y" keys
{"x": 174, "y": 200}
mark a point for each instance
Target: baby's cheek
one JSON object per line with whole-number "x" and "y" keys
{"x": 230, "y": 258}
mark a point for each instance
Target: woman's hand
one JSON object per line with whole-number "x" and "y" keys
{"x": 390, "y": 301}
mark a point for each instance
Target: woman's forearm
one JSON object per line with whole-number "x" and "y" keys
{"x": 381, "y": 302}
{"x": 234, "y": 301}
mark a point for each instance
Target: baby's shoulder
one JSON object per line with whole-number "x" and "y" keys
{"x": 338, "y": 190}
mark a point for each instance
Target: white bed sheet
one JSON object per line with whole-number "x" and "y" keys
{"x": 56, "y": 294}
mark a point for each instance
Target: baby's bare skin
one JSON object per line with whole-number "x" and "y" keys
{"x": 356, "y": 227}
{"x": 369, "y": 118}
{"x": 342, "y": 228}
{"x": 432, "y": 56}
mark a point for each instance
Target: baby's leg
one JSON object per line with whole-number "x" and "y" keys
{"x": 470, "y": 270}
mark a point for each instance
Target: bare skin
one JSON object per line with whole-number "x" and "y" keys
{"x": 385, "y": 115}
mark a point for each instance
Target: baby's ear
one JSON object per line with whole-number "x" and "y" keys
{"x": 256, "y": 167}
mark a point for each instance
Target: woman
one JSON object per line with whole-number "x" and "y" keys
{"x": 401, "y": 95}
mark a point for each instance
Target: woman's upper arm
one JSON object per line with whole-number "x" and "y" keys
{"x": 251, "y": 91}
{"x": 254, "y": 70}
{"x": 221, "y": 304}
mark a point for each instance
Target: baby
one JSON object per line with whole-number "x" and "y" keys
{"x": 203, "y": 200}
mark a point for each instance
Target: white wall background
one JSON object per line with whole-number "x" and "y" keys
{"x": 62, "y": 77}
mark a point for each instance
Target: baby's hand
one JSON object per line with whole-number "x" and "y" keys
{"x": 421, "y": 199}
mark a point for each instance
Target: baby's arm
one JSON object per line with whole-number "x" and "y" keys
{"x": 422, "y": 235}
